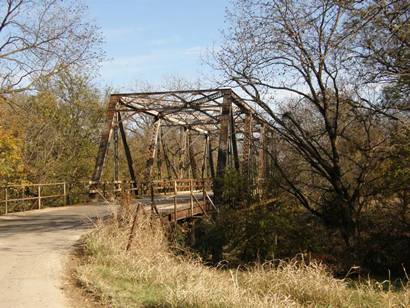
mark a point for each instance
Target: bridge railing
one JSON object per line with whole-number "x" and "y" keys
{"x": 194, "y": 193}
{"x": 23, "y": 197}
{"x": 189, "y": 197}
{"x": 180, "y": 185}
{"x": 108, "y": 189}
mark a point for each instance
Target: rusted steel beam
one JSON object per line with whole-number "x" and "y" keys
{"x": 152, "y": 151}
{"x": 182, "y": 150}
{"x": 204, "y": 158}
{"x": 240, "y": 102}
{"x": 168, "y": 118}
{"x": 170, "y": 92}
{"x": 211, "y": 159}
{"x": 190, "y": 105}
{"x": 103, "y": 148}
{"x": 237, "y": 100}
{"x": 247, "y": 142}
{"x": 271, "y": 153}
{"x": 262, "y": 151}
{"x": 116, "y": 155}
{"x": 223, "y": 136}
{"x": 234, "y": 143}
{"x": 127, "y": 154}
{"x": 222, "y": 147}
{"x": 206, "y": 98}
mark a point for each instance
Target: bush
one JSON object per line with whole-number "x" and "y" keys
{"x": 260, "y": 233}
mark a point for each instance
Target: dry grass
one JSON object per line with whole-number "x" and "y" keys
{"x": 150, "y": 275}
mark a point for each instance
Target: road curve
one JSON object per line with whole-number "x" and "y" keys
{"x": 34, "y": 247}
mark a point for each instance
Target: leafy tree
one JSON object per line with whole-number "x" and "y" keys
{"x": 11, "y": 155}
{"x": 58, "y": 128}
{"x": 39, "y": 38}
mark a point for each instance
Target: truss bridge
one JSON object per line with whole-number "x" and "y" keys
{"x": 178, "y": 146}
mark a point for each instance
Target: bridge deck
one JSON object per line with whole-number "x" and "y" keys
{"x": 182, "y": 206}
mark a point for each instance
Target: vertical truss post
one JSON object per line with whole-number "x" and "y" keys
{"x": 203, "y": 169}
{"x": 223, "y": 146}
{"x": 271, "y": 154}
{"x": 223, "y": 136}
{"x": 159, "y": 150}
{"x": 103, "y": 148}
{"x": 247, "y": 142}
{"x": 127, "y": 154}
{"x": 234, "y": 143}
{"x": 116, "y": 157}
{"x": 152, "y": 151}
{"x": 263, "y": 158}
{"x": 211, "y": 159}
{"x": 175, "y": 200}
{"x": 262, "y": 151}
{"x": 183, "y": 152}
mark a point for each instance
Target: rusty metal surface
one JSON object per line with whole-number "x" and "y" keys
{"x": 226, "y": 121}
{"x": 104, "y": 142}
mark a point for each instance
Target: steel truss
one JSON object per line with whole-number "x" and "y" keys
{"x": 232, "y": 133}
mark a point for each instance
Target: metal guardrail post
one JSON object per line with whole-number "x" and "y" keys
{"x": 191, "y": 198}
{"x": 6, "y": 199}
{"x": 203, "y": 194}
{"x": 152, "y": 197}
{"x": 65, "y": 193}
{"x": 175, "y": 201}
{"x": 39, "y": 196}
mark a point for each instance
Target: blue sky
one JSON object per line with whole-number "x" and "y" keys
{"x": 149, "y": 40}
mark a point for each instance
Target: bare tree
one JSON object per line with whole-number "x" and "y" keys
{"x": 383, "y": 43}
{"x": 301, "y": 52}
{"x": 39, "y": 38}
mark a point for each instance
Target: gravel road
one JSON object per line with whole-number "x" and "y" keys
{"x": 34, "y": 247}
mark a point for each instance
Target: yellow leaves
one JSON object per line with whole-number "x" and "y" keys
{"x": 11, "y": 161}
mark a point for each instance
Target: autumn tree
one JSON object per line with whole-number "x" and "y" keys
{"x": 296, "y": 60}
{"x": 57, "y": 128}
{"x": 11, "y": 153}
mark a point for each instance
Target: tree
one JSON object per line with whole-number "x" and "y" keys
{"x": 57, "y": 128}
{"x": 300, "y": 53}
{"x": 39, "y": 38}
{"x": 383, "y": 47}
{"x": 11, "y": 155}
{"x": 384, "y": 40}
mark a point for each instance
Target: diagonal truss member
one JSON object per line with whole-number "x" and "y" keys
{"x": 225, "y": 120}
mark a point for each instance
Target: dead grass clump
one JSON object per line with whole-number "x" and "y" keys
{"x": 149, "y": 274}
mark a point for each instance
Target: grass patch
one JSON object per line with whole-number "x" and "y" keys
{"x": 151, "y": 275}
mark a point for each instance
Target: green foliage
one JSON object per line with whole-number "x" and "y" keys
{"x": 236, "y": 190}
{"x": 52, "y": 135}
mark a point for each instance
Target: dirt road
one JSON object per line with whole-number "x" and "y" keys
{"x": 34, "y": 247}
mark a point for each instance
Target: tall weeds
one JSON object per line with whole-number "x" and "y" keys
{"x": 149, "y": 274}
